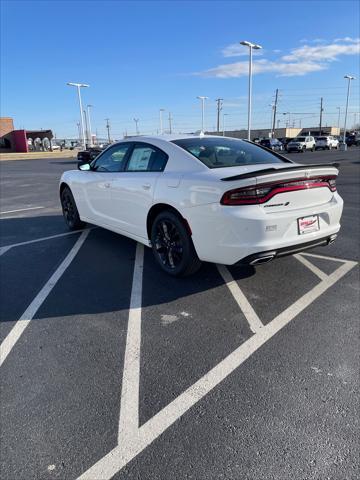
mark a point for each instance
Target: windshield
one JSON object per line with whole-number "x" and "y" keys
{"x": 322, "y": 138}
{"x": 299, "y": 139}
{"x": 220, "y": 152}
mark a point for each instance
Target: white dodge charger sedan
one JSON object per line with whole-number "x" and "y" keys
{"x": 204, "y": 198}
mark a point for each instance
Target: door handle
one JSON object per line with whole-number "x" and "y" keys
{"x": 146, "y": 186}
{"x": 107, "y": 185}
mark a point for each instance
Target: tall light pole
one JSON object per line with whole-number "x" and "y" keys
{"x": 338, "y": 121}
{"x": 202, "y": 99}
{"x": 251, "y": 47}
{"x": 136, "y": 120}
{"x": 271, "y": 119}
{"x": 349, "y": 78}
{"x": 224, "y": 115}
{"x": 78, "y": 86}
{"x": 160, "y": 120}
{"x": 89, "y": 122}
{"x": 86, "y": 128}
{"x": 79, "y": 131}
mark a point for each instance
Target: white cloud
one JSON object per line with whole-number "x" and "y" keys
{"x": 240, "y": 69}
{"x": 300, "y": 61}
{"x": 347, "y": 39}
{"x": 327, "y": 53}
{"x": 237, "y": 50}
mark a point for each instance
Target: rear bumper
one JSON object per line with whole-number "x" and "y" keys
{"x": 268, "y": 256}
{"x": 227, "y": 234}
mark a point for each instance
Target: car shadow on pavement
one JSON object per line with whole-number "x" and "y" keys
{"x": 99, "y": 278}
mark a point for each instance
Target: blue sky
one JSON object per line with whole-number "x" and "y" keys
{"x": 142, "y": 56}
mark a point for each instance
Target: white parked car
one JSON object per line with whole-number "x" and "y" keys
{"x": 326, "y": 143}
{"x": 204, "y": 198}
{"x": 301, "y": 144}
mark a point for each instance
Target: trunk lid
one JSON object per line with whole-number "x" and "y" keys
{"x": 285, "y": 187}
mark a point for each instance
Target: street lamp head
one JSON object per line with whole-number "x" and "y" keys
{"x": 251, "y": 45}
{"x": 72, "y": 84}
{"x": 349, "y": 77}
{"x": 202, "y": 98}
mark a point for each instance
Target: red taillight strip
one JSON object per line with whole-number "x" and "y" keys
{"x": 277, "y": 187}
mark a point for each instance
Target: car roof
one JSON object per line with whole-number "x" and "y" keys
{"x": 170, "y": 138}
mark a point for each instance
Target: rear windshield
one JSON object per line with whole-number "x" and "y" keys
{"x": 220, "y": 152}
{"x": 322, "y": 138}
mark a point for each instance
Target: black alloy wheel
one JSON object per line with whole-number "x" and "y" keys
{"x": 70, "y": 211}
{"x": 172, "y": 245}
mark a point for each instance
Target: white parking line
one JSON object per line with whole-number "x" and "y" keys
{"x": 324, "y": 257}
{"x": 7, "y": 247}
{"x": 319, "y": 273}
{"x": 253, "y": 320}
{"x": 14, "y": 335}
{"x": 20, "y": 210}
{"x": 133, "y": 442}
{"x": 129, "y": 409}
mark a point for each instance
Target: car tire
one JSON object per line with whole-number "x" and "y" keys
{"x": 172, "y": 245}
{"x": 303, "y": 150}
{"x": 70, "y": 211}
{"x": 313, "y": 149}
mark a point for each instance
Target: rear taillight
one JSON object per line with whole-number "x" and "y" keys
{"x": 262, "y": 193}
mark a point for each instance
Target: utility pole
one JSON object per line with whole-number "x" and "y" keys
{"x": 160, "y": 120}
{"x": 170, "y": 123}
{"x": 219, "y": 108}
{"x": 108, "y": 128}
{"x": 274, "y": 113}
{"x": 321, "y": 112}
{"x": 136, "y": 120}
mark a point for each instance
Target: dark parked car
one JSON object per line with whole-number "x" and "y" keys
{"x": 272, "y": 144}
{"x": 87, "y": 156}
{"x": 285, "y": 141}
{"x": 353, "y": 139}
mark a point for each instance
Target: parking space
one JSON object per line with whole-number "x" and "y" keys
{"x": 111, "y": 369}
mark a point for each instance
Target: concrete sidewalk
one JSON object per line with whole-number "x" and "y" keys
{"x": 38, "y": 155}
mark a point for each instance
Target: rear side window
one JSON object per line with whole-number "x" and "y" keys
{"x": 146, "y": 158}
{"x": 221, "y": 152}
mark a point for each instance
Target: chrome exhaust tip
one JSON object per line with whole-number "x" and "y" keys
{"x": 262, "y": 260}
{"x": 332, "y": 239}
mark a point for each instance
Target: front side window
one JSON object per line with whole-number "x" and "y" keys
{"x": 112, "y": 160}
{"x": 220, "y": 152}
{"x": 145, "y": 158}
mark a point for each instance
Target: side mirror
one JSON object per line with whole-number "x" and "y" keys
{"x": 85, "y": 167}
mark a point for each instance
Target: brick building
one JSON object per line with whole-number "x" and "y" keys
{"x": 12, "y": 140}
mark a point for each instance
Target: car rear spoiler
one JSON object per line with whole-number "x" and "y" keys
{"x": 266, "y": 171}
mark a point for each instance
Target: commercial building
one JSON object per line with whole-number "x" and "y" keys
{"x": 281, "y": 132}
{"x": 12, "y": 140}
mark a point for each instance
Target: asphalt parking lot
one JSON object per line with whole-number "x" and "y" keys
{"x": 111, "y": 369}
